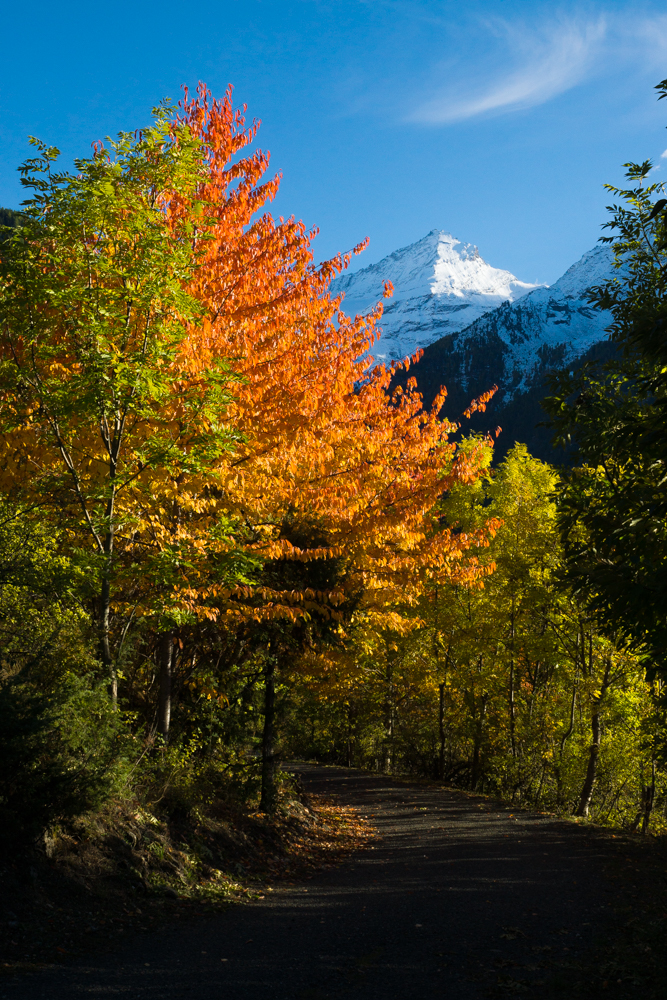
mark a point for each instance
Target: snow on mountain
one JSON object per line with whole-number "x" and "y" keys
{"x": 594, "y": 268}
{"x": 548, "y": 327}
{"x": 441, "y": 286}
{"x": 514, "y": 347}
{"x": 480, "y": 326}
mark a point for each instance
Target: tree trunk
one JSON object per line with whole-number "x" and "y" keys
{"x": 166, "y": 660}
{"x": 594, "y": 753}
{"x": 268, "y": 800}
{"x": 648, "y": 791}
{"x": 388, "y": 755}
{"x": 105, "y": 647}
{"x": 105, "y": 593}
{"x": 648, "y": 797}
{"x": 477, "y": 749}
{"x": 558, "y": 769}
{"x": 512, "y": 705}
{"x": 591, "y": 770}
{"x": 441, "y": 722}
{"x": 538, "y": 795}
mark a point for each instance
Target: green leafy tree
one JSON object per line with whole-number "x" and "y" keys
{"x": 613, "y": 502}
{"x": 105, "y": 424}
{"x": 59, "y": 739}
{"x": 509, "y": 685}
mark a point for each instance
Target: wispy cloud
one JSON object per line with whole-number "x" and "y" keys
{"x": 544, "y": 63}
{"x": 663, "y": 156}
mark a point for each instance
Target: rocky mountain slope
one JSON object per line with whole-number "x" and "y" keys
{"x": 481, "y": 326}
{"x": 548, "y": 328}
{"x": 441, "y": 286}
{"x": 515, "y": 347}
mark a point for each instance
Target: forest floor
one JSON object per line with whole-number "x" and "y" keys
{"x": 458, "y": 896}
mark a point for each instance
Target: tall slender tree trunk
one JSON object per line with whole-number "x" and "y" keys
{"x": 564, "y": 738}
{"x": 648, "y": 791}
{"x": 591, "y": 770}
{"x": 105, "y": 646}
{"x": 166, "y": 661}
{"x": 512, "y": 705}
{"x": 105, "y": 606}
{"x": 388, "y": 755}
{"x": 648, "y": 798}
{"x": 477, "y": 748}
{"x": 268, "y": 799}
{"x": 105, "y": 592}
{"x": 441, "y": 724}
{"x": 594, "y": 752}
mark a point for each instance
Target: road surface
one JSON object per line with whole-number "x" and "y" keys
{"x": 460, "y": 898}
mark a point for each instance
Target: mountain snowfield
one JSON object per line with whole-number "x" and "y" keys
{"x": 443, "y": 287}
{"x": 480, "y": 326}
{"x": 550, "y": 327}
{"x": 440, "y": 285}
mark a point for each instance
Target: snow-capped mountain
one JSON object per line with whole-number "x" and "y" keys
{"x": 514, "y": 345}
{"x": 547, "y": 328}
{"x": 440, "y": 285}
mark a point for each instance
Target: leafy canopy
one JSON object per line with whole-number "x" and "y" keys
{"x": 613, "y": 504}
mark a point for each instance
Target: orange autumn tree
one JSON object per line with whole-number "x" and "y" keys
{"x": 333, "y": 467}
{"x": 269, "y": 505}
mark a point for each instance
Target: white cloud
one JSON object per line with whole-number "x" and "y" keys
{"x": 546, "y": 63}
{"x": 663, "y": 156}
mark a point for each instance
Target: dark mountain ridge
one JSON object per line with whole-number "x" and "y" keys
{"x": 516, "y": 346}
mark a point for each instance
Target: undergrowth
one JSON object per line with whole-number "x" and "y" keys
{"x": 126, "y": 868}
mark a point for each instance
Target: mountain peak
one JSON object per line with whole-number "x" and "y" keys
{"x": 441, "y": 285}
{"x": 595, "y": 267}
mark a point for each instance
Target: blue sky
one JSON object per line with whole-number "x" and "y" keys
{"x": 498, "y": 121}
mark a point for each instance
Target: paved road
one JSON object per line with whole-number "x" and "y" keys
{"x": 459, "y": 899}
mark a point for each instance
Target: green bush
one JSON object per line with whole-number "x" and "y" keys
{"x": 58, "y": 753}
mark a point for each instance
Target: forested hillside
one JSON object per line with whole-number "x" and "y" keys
{"x": 227, "y": 540}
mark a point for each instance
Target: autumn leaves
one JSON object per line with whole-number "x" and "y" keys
{"x": 322, "y": 439}
{"x": 186, "y": 404}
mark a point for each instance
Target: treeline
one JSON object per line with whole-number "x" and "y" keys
{"x": 202, "y": 481}
{"x": 225, "y": 539}
{"x": 512, "y": 688}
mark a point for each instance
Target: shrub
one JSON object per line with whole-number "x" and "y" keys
{"x": 58, "y": 753}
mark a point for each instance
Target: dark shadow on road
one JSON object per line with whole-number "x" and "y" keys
{"x": 458, "y": 898}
